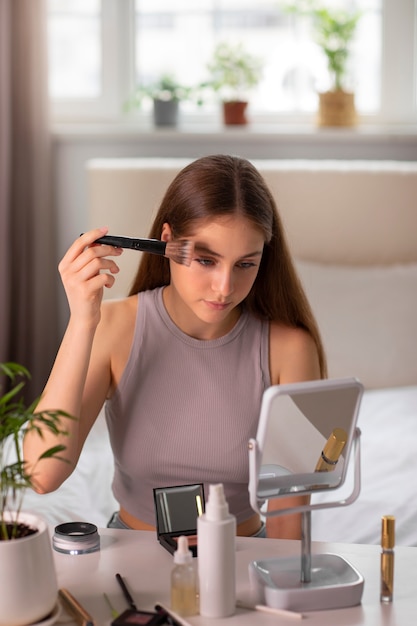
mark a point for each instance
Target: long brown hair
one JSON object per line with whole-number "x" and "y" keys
{"x": 219, "y": 185}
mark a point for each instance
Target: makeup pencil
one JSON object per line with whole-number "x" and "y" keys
{"x": 179, "y": 251}
{"x": 126, "y": 592}
{"x": 75, "y": 609}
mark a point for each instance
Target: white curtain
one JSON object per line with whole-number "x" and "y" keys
{"x": 28, "y": 276}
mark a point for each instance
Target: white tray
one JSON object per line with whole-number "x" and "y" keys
{"x": 335, "y": 583}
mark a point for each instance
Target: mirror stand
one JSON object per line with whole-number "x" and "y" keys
{"x": 306, "y": 547}
{"x": 326, "y": 581}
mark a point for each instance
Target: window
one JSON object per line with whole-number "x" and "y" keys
{"x": 75, "y": 45}
{"x": 99, "y": 49}
{"x": 169, "y": 37}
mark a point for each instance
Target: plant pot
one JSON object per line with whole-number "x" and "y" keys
{"x": 165, "y": 112}
{"x": 234, "y": 113}
{"x": 337, "y": 108}
{"x": 28, "y": 582}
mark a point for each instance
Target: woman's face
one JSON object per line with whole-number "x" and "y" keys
{"x": 203, "y": 297}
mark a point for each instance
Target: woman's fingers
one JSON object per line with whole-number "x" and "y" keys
{"x": 83, "y": 256}
{"x": 86, "y": 239}
{"x": 85, "y": 270}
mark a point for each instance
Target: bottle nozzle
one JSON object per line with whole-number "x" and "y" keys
{"x": 217, "y": 507}
{"x": 182, "y": 554}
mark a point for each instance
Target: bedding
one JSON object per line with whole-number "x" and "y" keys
{"x": 388, "y": 423}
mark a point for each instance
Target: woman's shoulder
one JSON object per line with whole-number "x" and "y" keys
{"x": 118, "y": 318}
{"x": 116, "y": 331}
{"x": 112, "y": 310}
{"x": 293, "y": 354}
{"x": 289, "y": 336}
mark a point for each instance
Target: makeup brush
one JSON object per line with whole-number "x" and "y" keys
{"x": 179, "y": 251}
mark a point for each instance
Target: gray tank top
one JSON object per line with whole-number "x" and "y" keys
{"x": 185, "y": 409}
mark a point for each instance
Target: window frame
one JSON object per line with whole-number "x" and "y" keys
{"x": 398, "y": 87}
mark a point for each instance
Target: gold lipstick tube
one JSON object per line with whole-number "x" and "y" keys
{"x": 387, "y": 558}
{"x": 332, "y": 451}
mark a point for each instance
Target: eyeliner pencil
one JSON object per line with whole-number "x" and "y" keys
{"x": 126, "y": 592}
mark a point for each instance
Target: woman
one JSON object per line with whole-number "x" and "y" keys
{"x": 183, "y": 361}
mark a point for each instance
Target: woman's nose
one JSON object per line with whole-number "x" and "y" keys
{"x": 223, "y": 282}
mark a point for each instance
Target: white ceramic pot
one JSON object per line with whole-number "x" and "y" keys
{"x": 28, "y": 582}
{"x": 165, "y": 112}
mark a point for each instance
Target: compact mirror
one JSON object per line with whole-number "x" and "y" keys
{"x": 305, "y": 436}
{"x": 177, "y": 509}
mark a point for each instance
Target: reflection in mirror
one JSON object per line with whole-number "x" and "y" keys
{"x": 305, "y": 435}
{"x": 177, "y": 508}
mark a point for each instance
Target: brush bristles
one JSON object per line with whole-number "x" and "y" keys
{"x": 180, "y": 251}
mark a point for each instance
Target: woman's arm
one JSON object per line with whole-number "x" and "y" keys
{"x": 80, "y": 377}
{"x": 294, "y": 358}
{"x": 287, "y": 525}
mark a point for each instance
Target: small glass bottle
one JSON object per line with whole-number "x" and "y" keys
{"x": 184, "y": 586}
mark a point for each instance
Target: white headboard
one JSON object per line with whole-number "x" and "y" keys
{"x": 351, "y": 225}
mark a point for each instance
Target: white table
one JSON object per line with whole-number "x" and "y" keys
{"x": 146, "y": 567}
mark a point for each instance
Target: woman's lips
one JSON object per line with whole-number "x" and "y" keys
{"x": 217, "y": 306}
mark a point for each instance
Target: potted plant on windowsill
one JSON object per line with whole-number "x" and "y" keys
{"x": 166, "y": 94}
{"x": 234, "y": 73}
{"x": 29, "y": 589}
{"x": 334, "y": 30}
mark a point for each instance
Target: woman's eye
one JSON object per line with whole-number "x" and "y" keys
{"x": 205, "y": 262}
{"x": 245, "y": 265}
{"x": 242, "y": 265}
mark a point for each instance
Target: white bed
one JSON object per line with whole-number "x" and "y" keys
{"x": 352, "y": 227}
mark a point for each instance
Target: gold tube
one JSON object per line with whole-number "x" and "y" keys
{"x": 387, "y": 557}
{"x": 332, "y": 451}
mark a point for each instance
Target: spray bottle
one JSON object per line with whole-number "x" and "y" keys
{"x": 216, "y": 531}
{"x": 184, "y": 581}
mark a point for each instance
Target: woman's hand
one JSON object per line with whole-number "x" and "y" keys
{"x": 80, "y": 378}
{"x": 85, "y": 270}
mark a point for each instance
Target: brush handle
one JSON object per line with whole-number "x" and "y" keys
{"x": 143, "y": 245}
{"x": 126, "y": 592}
{"x": 75, "y": 609}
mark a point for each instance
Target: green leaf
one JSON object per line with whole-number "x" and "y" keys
{"x": 16, "y": 419}
{"x": 48, "y": 454}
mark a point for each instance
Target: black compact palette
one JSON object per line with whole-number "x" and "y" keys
{"x": 177, "y": 509}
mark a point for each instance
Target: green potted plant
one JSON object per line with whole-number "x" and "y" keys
{"x": 234, "y": 73}
{"x": 334, "y": 30}
{"x": 25, "y": 545}
{"x": 166, "y": 94}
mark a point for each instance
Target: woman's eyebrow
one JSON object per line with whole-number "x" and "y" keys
{"x": 204, "y": 249}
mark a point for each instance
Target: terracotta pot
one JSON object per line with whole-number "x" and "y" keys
{"x": 28, "y": 583}
{"x": 234, "y": 113}
{"x": 337, "y": 108}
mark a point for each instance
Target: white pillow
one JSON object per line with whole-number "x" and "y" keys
{"x": 387, "y": 420}
{"x": 368, "y": 320}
